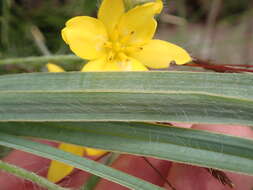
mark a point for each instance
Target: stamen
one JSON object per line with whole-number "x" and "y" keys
{"x": 118, "y": 48}
{"x": 111, "y": 55}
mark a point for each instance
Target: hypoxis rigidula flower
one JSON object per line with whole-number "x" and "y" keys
{"x": 121, "y": 41}
{"x": 116, "y": 41}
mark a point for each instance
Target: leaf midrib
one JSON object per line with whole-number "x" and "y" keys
{"x": 126, "y": 92}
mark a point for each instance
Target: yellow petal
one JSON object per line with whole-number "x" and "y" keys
{"x": 54, "y": 68}
{"x": 103, "y": 64}
{"x": 94, "y": 152}
{"x": 96, "y": 65}
{"x": 159, "y": 54}
{"x": 138, "y": 24}
{"x": 112, "y": 66}
{"x": 110, "y": 12}
{"x": 57, "y": 170}
{"x": 128, "y": 64}
{"x": 85, "y": 36}
{"x": 159, "y": 6}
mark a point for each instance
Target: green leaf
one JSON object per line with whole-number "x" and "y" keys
{"x": 76, "y": 161}
{"x": 170, "y": 143}
{"x": 20, "y": 172}
{"x": 129, "y": 96}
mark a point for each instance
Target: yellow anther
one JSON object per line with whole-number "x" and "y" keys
{"x": 118, "y": 48}
{"x": 111, "y": 55}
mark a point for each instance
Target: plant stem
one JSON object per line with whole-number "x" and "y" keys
{"x": 19, "y": 172}
{"x": 41, "y": 59}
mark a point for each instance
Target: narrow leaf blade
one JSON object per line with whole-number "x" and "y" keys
{"x": 76, "y": 161}
{"x": 169, "y": 143}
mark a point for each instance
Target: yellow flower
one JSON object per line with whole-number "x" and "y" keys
{"x": 116, "y": 41}
{"x": 121, "y": 41}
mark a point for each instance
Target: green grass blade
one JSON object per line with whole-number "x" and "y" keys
{"x": 131, "y": 96}
{"x": 24, "y": 174}
{"x": 40, "y": 60}
{"x": 76, "y": 161}
{"x": 170, "y": 143}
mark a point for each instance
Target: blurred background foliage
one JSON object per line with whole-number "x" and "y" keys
{"x": 23, "y": 21}
{"x": 220, "y": 30}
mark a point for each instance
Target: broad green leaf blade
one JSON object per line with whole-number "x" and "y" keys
{"x": 76, "y": 161}
{"x": 24, "y": 174}
{"x": 130, "y": 96}
{"x": 170, "y": 143}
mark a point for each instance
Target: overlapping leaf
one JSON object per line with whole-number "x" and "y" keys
{"x": 139, "y": 96}
{"x": 169, "y": 143}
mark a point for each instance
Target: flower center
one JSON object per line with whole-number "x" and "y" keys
{"x": 118, "y": 47}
